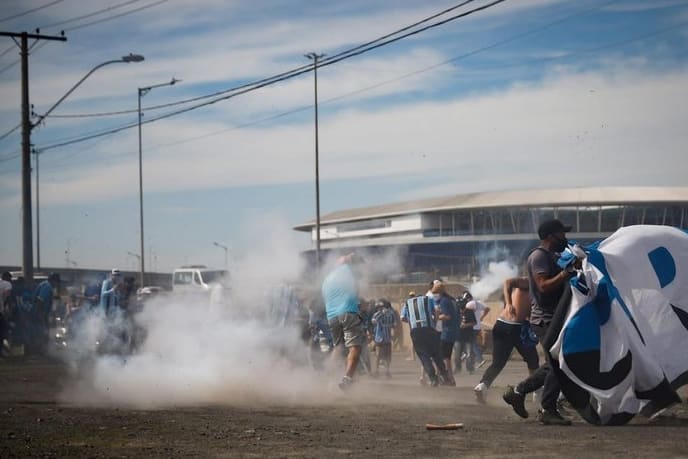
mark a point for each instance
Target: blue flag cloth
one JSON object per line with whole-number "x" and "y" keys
{"x": 618, "y": 351}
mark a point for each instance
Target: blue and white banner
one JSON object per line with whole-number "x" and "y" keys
{"x": 622, "y": 347}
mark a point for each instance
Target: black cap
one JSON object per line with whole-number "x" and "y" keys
{"x": 55, "y": 277}
{"x": 551, "y": 227}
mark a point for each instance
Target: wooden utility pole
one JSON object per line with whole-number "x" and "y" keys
{"x": 27, "y": 224}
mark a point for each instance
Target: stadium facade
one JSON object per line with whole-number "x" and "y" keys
{"x": 454, "y": 236}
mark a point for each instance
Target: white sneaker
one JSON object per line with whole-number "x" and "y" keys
{"x": 480, "y": 391}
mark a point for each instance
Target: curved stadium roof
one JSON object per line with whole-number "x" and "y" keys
{"x": 583, "y": 196}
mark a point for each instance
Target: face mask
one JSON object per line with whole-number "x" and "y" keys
{"x": 436, "y": 296}
{"x": 560, "y": 245}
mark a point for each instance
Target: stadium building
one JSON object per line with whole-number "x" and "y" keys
{"x": 454, "y": 236}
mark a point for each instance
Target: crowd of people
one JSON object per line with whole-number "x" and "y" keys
{"x": 445, "y": 330}
{"x": 28, "y": 315}
{"x": 438, "y": 325}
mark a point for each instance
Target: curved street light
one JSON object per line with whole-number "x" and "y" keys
{"x": 225, "y": 248}
{"x": 142, "y": 92}
{"x": 124, "y": 59}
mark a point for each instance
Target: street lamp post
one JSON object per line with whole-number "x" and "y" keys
{"x": 225, "y": 249}
{"x": 142, "y": 92}
{"x": 124, "y": 59}
{"x": 314, "y": 57}
{"x": 137, "y": 256}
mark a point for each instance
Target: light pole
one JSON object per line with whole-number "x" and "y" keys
{"x": 137, "y": 256}
{"x": 124, "y": 59}
{"x": 314, "y": 57}
{"x": 225, "y": 249}
{"x": 142, "y": 92}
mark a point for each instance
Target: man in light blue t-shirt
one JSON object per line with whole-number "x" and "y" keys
{"x": 340, "y": 292}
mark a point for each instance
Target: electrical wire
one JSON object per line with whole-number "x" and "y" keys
{"x": 279, "y": 75}
{"x": 272, "y": 80}
{"x": 334, "y": 59}
{"x": 110, "y": 18}
{"x": 8, "y": 158}
{"x": 89, "y": 15}
{"x": 7, "y": 50}
{"x": 6, "y": 134}
{"x": 589, "y": 50}
{"x": 32, "y": 10}
{"x": 88, "y": 24}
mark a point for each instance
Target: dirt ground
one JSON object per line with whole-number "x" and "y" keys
{"x": 378, "y": 417}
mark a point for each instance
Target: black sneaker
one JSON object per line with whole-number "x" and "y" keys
{"x": 553, "y": 418}
{"x": 517, "y": 401}
{"x": 434, "y": 382}
{"x": 564, "y": 407}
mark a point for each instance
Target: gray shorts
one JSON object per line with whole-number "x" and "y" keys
{"x": 347, "y": 327}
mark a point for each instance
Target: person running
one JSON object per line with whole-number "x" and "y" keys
{"x": 466, "y": 338}
{"x": 546, "y": 282}
{"x": 507, "y": 335}
{"x": 340, "y": 292}
{"x": 384, "y": 321}
{"x": 419, "y": 313}
{"x": 447, "y": 313}
{"x": 481, "y": 310}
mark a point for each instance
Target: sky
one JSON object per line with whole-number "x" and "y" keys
{"x": 521, "y": 94}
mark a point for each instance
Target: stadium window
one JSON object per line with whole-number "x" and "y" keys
{"x": 568, "y": 216}
{"x": 462, "y": 223}
{"x": 364, "y": 225}
{"x": 588, "y": 219}
{"x": 611, "y": 219}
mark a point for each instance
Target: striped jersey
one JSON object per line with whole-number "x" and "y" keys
{"x": 384, "y": 321}
{"x": 418, "y": 312}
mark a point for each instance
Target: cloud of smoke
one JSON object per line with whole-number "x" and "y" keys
{"x": 238, "y": 348}
{"x": 492, "y": 278}
{"x": 234, "y": 350}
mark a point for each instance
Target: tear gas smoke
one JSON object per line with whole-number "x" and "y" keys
{"x": 492, "y": 279}
{"x": 238, "y": 350}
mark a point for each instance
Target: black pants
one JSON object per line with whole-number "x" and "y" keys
{"x": 506, "y": 337}
{"x": 426, "y": 342}
{"x": 543, "y": 377}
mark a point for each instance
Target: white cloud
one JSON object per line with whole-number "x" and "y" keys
{"x": 589, "y": 127}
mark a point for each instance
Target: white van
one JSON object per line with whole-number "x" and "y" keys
{"x": 198, "y": 278}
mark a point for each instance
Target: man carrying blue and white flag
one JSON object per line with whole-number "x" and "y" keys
{"x": 546, "y": 282}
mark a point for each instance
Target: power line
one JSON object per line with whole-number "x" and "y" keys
{"x": 38, "y": 46}
{"x": 110, "y": 18}
{"x": 334, "y": 59}
{"x": 88, "y": 24}
{"x": 333, "y": 99}
{"x": 89, "y": 15}
{"x": 33, "y": 10}
{"x": 10, "y": 131}
{"x": 7, "y": 50}
{"x": 8, "y": 158}
{"x": 279, "y": 75}
{"x": 342, "y": 56}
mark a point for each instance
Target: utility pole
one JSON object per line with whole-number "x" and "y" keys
{"x": 27, "y": 224}
{"x": 142, "y": 92}
{"x": 314, "y": 57}
{"x": 38, "y": 211}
